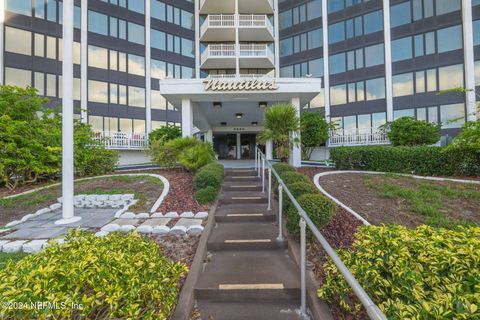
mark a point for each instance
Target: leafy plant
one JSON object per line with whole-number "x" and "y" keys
{"x": 408, "y": 131}
{"x": 208, "y": 182}
{"x": 283, "y": 167}
{"x": 280, "y": 122}
{"x": 165, "y": 133}
{"x": 421, "y": 273}
{"x": 297, "y": 189}
{"x": 206, "y": 195}
{"x": 314, "y": 130}
{"x": 318, "y": 208}
{"x": 197, "y": 156}
{"x": 116, "y": 276}
{"x": 290, "y": 178}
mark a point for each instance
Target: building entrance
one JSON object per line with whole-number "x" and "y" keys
{"x": 230, "y": 146}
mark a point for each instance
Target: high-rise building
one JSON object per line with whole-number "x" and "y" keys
{"x": 213, "y": 66}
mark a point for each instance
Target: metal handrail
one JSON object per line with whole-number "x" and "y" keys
{"x": 372, "y": 309}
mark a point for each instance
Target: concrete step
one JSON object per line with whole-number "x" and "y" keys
{"x": 240, "y": 172}
{"x": 244, "y": 236}
{"x": 245, "y": 178}
{"x": 232, "y": 197}
{"x": 244, "y": 213}
{"x": 252, "y": 310}
{"x": 242, "y": 186}
{"x": 249, "y": 275}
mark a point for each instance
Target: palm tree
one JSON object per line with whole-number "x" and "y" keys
{"x": 280, "y": 121}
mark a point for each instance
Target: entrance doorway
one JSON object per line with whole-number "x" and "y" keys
{"x": 230, "y": 146}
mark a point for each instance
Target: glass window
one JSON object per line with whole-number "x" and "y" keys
{"x": 96, "y": 123}
{"x": 136, "y": 65}
{"x": 336, "y": 32}
{"x": 450, "y": 77}
{"x": 136, "y": 97}
{"x": 373, "y": 22}
{"x": 158, "y": 101}
{"x": 360, "y": 91}
{"x": 374, "y": 55}
{"x": 419, "y": 50}
{"x": 433, "y": 114}
{"x": 315, "y": 67}
{"x": 318, "y": 101}
{"x": 158, "y": 39}
{"x": 97, "y": 91}
{"x": 335, "y": 5}
{"x": 51, "y": 47}
{"x": 417, "y": 10}
{"x": 402, "y": 49}
{"x": 337, "y": 63}
{"x": 138, "y": 126}
{"x": 187, "y": 48}
{"x": 111, "y": 124}
{"x": 314, "y": 9}
{"x": 420, "y": 81}
{"x": 20, "y": 6}
{"x": 122, "y": 94}
{"x": 476, "y": 32}
{"x": 422, "y": 114}
{"x": 285, "y": 19}
{"x": 432, "y": 80}
{"x": 158, "y": 69}
{"x": 400, "y": 14}
{"x": 477, "y": 72}
{"x": 97, "y": 57}
{"x": 350, "y": 123}
{"x": 452, "y": 115}
{"x": 397, "y": 114}
{"x": 187, "y": 20}
{"x": 286, "y": 72}
{"x": 18, "y": 77}
{"x": 430, "y": 43}
{"x": 52, "y": 10}
{"x": 375, "y": 89}
{"x": 449, "y": 39}
{"x": 18, "y": 41}
{"x": 40, "y": 83}
{"x": 350, "y": 60}
{"x": 315, "y": 39}
{"x": 39, "y": 9}
{"x": 359, "y": 58}
{"x": 364, "y": 121}
{"x": 402, "y": 84}
{"x": 338, "y": 94}
{"x": 51, "y": 85}
{"x": 97, "y": 22}
{"x": 379, "y": 119}
{"x": 126, "y": 125}
{"x": 446, "y": 6}
{"x": 137, "y": 6}
{"x": 39, "y": 45}
{"x": 286, "y": 47}
{"x": 113, "y": 93}
{"x": 136, "y": 33}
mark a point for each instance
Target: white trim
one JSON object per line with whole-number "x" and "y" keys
{"x": 237, "y": 41}
{"x": 148, "y": 72}
{"x": 2, "y": 41}
{"x": 187, "y": 118}
{"x": 326, "y": 69}
{"x": 196, "y": 3}
{"x": 277, "y": 38}
{"x": 388, "y": 59}
{"x": 296, "y": 156}
{"x": 84, "y": 61}
{"x": 469, "y": 59}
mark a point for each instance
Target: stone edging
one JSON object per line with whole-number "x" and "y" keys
{"x": 316, "y": 180}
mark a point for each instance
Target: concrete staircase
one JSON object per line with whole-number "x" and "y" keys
{"x": 248, "y": 273}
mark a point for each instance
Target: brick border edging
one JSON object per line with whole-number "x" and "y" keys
{"x": 318, "y": 308}
{"x": 186, "y": 299}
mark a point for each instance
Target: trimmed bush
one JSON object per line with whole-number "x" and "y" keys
{"x": 408, "y": 131}
{"x": 283, "y": 167}
{"x": 297, "y": 189}
{"x": 197, "y": 156}
{"x": 290, "y": 178}
{"x": 165, "y": 133}
{"x": 319, "y": 209}
{"x": 422, "y": 273}
{"x": 426, "y": 160}
{"x": 114, "y": 277}
{"x": 206, "y": 195}
{"x": 210, "y": 175}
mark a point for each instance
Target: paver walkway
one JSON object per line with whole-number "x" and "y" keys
{"x": 249, "y": 274}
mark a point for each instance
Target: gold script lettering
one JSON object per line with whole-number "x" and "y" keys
{"x": 242, "y": 85}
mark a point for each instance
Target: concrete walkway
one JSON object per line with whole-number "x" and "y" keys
{"x": 249, "y": 274}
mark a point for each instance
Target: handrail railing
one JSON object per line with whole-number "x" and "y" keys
{"x": 372, "y": 310}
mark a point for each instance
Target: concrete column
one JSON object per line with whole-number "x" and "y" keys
{"x": 209, "y": 136}
{"x": 470, "y": 97}
{"x": 2, "y": 40}
{"x": 277, "y": 37}
{"x": 388, "y": 59}
{"x": 239, "y": 145}
{"x": 326, "y": 72}
{"x": 84, "y": 62}
{"x": 237, "y": 40}
{"x": 269, "y": 150}
{"x": 296, "y": 152}
{"x": 67, "y": 116}
{"x": 187, "y": 118}
{"x": 148, "y": 72}
{"x": 197, "y": 38}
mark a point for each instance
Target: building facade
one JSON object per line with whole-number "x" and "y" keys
{"x": 376, "y": 60}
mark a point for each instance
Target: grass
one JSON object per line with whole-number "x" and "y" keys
{"x": 27, "y": 200}
{"x": 426, "y": 198}
{"x": 7, "y": 257}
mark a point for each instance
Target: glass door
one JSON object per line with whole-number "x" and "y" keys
{"x": 247, "y": 145}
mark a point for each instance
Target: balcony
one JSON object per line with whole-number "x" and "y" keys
{"x": 218, "y": 56}
{"x": 255, "y": 27}
{"x": 228, "y": 6}
{"x": 122, "y": 140}
{"x": 256, "y": 56}
{"x": 242, "y": 76}
{"x": 357, "y": 137}
{"x": 218, "y": 27}
{"x": 252, "y": 27}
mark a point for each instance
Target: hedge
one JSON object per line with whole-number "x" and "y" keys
{"x": 208, "y": 182}
{"x": 113, "y": 277}
{"x": 422, "y": 160}
{"x": 318, "y": 208}
{"x": 422, "y": 273}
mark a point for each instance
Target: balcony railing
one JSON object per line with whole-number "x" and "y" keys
{"x": 256, "y": 50}
{"x": 218, "y": 21}
{"x": 218, "y": 51}
{"x": 357, "y": 137}
{"x": 122, "y": 140}
{"x": 255, "y": 21}
{"x": 243, "y": 21}
{"x": 246, "y": 76}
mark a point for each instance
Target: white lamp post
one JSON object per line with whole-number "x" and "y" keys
{"x": 68, "y": 215}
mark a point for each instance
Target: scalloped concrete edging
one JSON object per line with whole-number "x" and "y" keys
{"x": 316, "y": 180}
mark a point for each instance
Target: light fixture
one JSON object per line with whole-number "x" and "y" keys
{"x": 217, "y": 105}
{"x": 262, "y": 104}
{"x": 223, "y": 124}
{"x": 255, "y": 123}
{"x": 238, "y": 115}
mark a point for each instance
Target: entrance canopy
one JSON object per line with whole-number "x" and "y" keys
{"x": 224, "y": 105}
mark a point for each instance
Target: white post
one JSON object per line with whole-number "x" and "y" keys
{"x": 187, "y": 118}
{"x": 84, "y": 61}
{"x": 68, "y": 215}
{"x": 239, "y": 145}
{"x": 209, "y": 135}
{"x": 280, "y": 213}
{"x": 296, "y": 152}
{"x": 469, "y": 60}
{"x": 277, "y": 41}
{"x": 269, "y": 150}
{"x": 237, "y": 41}
{"x": 269, "y": 189}
{"x": 148, "y": 72}
{"x": 256, "y": 158}
{"x": 263, "y": 174}
{"x": 388, "y": 59}
{"x": 197, "y": 38}
{"x": 2, "y": 49}
{"x": 326, "y": 66}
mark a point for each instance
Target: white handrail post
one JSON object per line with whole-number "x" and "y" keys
{"x": 256, "y": 158}
{"x": 280, "y": 213}
{"x": 269, "y": 189}
{"x": 259, "y": 160}
{"x": 303, "y": 287}
{"x": 263, "y": 173}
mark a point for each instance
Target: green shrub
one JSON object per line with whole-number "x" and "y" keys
{"x": 210, "y": 175}
{"x": 423, "y": 160}
{"x": 165, "y": 133}
{"x": 297, "y": 189}
{"x": 206, "y": 195}
{"x": 283, "y": 167}
{"x": 408, "y": 131}
{"x": 117, "y": 276}
{"x": 318, "y": 208}
{"x": 466, "y": 146}
{"x": 197, "y": 156}
{"x": 422, "y": 273}
{"x": 294, "y": 177}
{"x": 314, "y": 132}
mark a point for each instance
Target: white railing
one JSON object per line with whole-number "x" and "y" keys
{"x": 251, "y": 50}
{"x": 122, "y": 140}
{"x": 357, "y": 137}
{"x": 218, "y": 21}
{"x": 218, "y": 51}
{"x": 256, "y": 51}
{"x": 246, "y": 76}
{"x": 243, "y": 21}
{"x": 255, "y": 21}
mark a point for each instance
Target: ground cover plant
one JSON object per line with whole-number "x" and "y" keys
{"x": 116, "y": 276}
{"x": 146, "y": 189}
{"x": 6, "y": 258}
{"x": 420, "y": 273}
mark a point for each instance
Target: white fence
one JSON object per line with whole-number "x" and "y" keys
{"x": 357, "y": 137}
{"x": 122, "y": 140}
